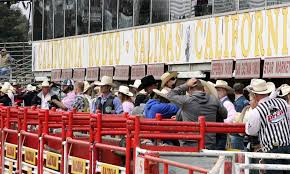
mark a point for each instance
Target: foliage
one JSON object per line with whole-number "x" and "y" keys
{"x": 14, "y": 26}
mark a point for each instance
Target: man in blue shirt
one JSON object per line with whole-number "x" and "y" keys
{"x": 107, "y": 103}
{"x": 240, "y": 99}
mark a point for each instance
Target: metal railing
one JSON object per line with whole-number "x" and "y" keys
{"x": 21, "y": 67}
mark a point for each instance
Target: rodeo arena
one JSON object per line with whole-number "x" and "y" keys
{"x": 148, "y": 87}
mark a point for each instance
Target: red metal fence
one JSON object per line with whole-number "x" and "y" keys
{"x": 47, "y": 141}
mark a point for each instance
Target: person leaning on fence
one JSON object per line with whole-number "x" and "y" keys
{"x": 4, "y": 98}
{"x": 197, "y": 103}
{"x": 125, "y": 96}
{"x": 5, "y": 61}
{"x": 160, "y": 105}
{"x": 269, "y": 120}
{"x": 81, "y": 103}
{"x": 106, "y": 102}
{"x": 45, "y": 97}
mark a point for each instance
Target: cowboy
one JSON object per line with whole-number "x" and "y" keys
{"x": 269, "y": 120}
{"x": 284, "y": 93}
{"x": 45, "y": 97}
{"x": 240, "y": 99}
{"x": 195, "y": 104}
{"x": 223, "y": 90}
{"x": 141, "y": 95}
{"x": 125, "y": 96}
{"x": 106, "y": 102}
{"x": 81, "y": 103}
{"x": 67, "y": 101}
{"x": 28, "y": 94}
{"x": 88, "y": 90}
{"x": 148, "y": 83}
{"x": 168, "y": 80}
{"x": 4, "y": 98}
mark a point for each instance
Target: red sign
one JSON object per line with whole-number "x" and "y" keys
{"x": 66, "y": 74}
{"x": 156, "y": 70}
{"x": 122, "y": 72}
{"x": 93, "y": 74}
{"x": 221, "y": 69}
{"x": 107, "y": 71}
{"x": 247, "y": 68}
{"x": 138, "y": 72}
{"x": 276, "y": 67}
{"x": 56, "y": 75}
{"x": 79, "y": 74}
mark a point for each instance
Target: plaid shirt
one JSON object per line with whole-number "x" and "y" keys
{"x": 81, "y": 103}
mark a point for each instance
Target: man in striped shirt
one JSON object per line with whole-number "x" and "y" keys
{"x": 269, "y": 120}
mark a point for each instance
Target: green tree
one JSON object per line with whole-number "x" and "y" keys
{"x": 14, "y": 26}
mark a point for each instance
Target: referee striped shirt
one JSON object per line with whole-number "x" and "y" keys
{"x": 270, "y": 121}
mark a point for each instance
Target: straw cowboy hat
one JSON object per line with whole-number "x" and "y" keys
{"x": 260, "y": 86}
{"x": 106, "y": 80}
{"x": 166, "y": 77}
{"x": 163, "y": 93}
{"x": 223, "y": 84}
{"x": 136, "y": 84}
{"x": 125, "y": 90}
{"x": 45, "y": 84}
{"x": 284, "y": 90}
{"x": 29, "y": 87}
{"x": 87, "y": 86}
{"x": 210, "y": 87}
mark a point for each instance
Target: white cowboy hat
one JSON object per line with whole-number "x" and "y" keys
{"x": 125, "y": 90}
{"x": 106, "y": 80}
{"x": 5, "y": 90}
{"x": 45, "y": 84}
{"x": 260, "y": 86}
{"x": 285, "y": 90}
{"x": 86, "y": 86}
{"x": 29, "y": 87}
{"x": 210, "y": 86}
{"x": 223, "y": 84}
{"x": 9, "y": 87}
{"x": 166, "y": 77}
{"x": 136, "y": 84}
{"x": 163, "y": 93}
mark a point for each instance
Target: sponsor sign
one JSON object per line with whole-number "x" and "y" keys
{"x": 79, "y": 74}
{"x": 78, "y": 166}
{"x": 138, "y": 72}
{"x": 221, "y": 69}
{"x": 56, "y": 75}
{"x": 109, "y": 169}
{"x": 122, "y": 72}
{"x": 11, "y": 151}
{"x": 156, "y": 70}
{"x": 66, "y": 74}
{"x": 247, "y": 68}
{"x": 139, "y": 168}
{"x": 276, "y": 67}
{"x": 93, "y": 74}
{"x": 52, "y": 161}
{"x": 30, "y": 156}
{"x": 106, "y": 71}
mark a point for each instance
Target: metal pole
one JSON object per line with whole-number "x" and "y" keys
{"x": 89, "y": 16}
{"x": 53, "y": 5}
{"x": 118, "y": 6}
{"x": 103, "y": 14}
{"x": 32, "y": 38}
{"x": 64, "y": 9}
{"x": 42, "y": 19}
{"x": 76, "y": 10}
{"x": 151, "y": 11}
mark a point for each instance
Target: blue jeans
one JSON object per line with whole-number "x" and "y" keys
{"x": 283, "y": 149}
{"x": 237, "y": 142}
{"x": 4, "y": 71}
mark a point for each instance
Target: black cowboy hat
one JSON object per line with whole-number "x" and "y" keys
{"x": 147, "y": 81}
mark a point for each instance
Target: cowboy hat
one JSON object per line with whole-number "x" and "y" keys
{"x": 125, "y": 90}
{"x": 45, "y": 84}
{"x": 147, "y": 81}
{"x": 5, "y": 90}
{"x": 68, "y": 82}
{"x": 210, "y": 87}
{"x": 260, "y": 86}
{"x": 3, "y": 50}
{"x": 284, "y": 90}
{"x": 163, "y": 93}
{"x": 87, "y": 86}
{"x": 29, "y": 87}
{"x": 9, "y": 87}
{"x": 166, "y": 77}
{"x": 136, "y": 84}
{"x": 106, "y": 80}
{"x": 223, "y": 84}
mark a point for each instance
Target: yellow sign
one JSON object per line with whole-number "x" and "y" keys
{"x": 78, "y": 166}
{"x": 11, "y": 151}
{"x": 10, "y": 167}
{"x": 30, "y": 156}
{"x": 52, "y": 160}
{"x": 109, "y": 169}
